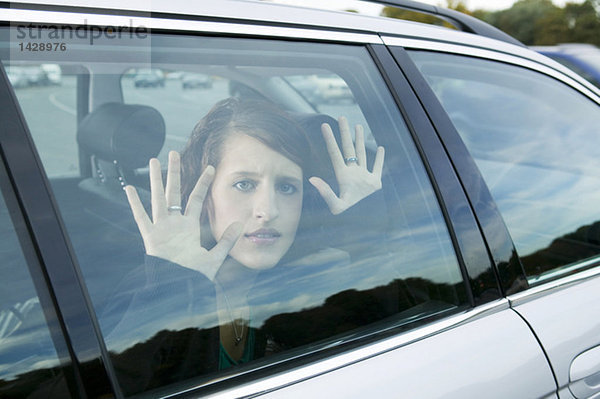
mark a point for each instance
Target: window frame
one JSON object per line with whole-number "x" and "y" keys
{"x": 58, "y": 259}
{"x": 497, "y": 236}
{"x": 48, "y": 254}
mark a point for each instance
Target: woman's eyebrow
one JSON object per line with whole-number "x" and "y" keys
{"x": 290, "y": 179}
{"x": 256, "y": 175}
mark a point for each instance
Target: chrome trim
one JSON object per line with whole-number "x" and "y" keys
{"x": 17, "y": 16}
{"x": 517, "y": 56}
{"x": 556, "y": 285}
{"x": 287, "y": 378}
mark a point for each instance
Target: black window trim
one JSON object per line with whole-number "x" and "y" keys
{"x": 79, "y": 326}
{"x": 462, "y": 223}
{"x": 498, "y": 240}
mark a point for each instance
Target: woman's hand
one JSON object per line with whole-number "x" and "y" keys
{"x": 350, "y": 167}
{"x": 173, "y": 235}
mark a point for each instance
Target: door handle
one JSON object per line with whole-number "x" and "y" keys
{"x": 584, "y": 374}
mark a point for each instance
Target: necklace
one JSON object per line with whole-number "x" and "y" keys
{"x": 237, "y": 337}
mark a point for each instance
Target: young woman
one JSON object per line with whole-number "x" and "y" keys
{"x": 232, "y": 210}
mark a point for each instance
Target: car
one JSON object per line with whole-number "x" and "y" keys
{"x": 332, "y": 88}
{"x": 35, "y": 76}
{"x": 149, "y": 78}
{"x": 465, "y": 265}
{"x": 53, "y": 72}
{"x": 582, "y": 58}
{"x": 17, "y": 77}
{"x": 196, "y": 80}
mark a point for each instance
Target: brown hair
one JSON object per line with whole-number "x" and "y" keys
{"x": 265, "y": 122}
{"x": 258, "y": 119}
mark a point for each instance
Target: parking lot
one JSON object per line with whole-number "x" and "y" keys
{"x": 181, "y": 108}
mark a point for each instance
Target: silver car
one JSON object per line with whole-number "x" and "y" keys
{"x": 436, "y": 234}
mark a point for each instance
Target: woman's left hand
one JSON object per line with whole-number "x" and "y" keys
{"x": 355, "y": 182}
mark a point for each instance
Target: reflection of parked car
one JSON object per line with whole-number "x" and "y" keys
{"x": 53, "y": 72}
{"x": 473, "y": 272}
{"x": 332, "y": 88}
{"x": 318, "y": 89}
{"x": 582, "y": 58}
{"x": 196, "y": 80}
{"x": 17, "y": 77}
{"x": 149, "y": 78}
{"x": 36, "y": 76}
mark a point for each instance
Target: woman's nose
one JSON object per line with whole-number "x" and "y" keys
{"x": 265, "y": 205}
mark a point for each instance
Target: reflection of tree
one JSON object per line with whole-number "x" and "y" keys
{"x": 581, "y": 244}
{"x": 43, "y": 383}
{"x": 352, "y": 309}
{"x": 172, "y": 356}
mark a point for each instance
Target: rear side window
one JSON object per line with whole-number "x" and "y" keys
{"x": 533, "y": 139}
{"x": 306, "y": 239}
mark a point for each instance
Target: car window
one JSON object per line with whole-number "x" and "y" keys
{"x": 316, "y": 263}
{"x": 29, "y": 363}
{"x": 532, "y": 139}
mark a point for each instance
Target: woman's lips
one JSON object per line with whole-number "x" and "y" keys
{"x": 263, "y": 236}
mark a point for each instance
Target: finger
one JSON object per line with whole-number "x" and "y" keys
{"x": 159, "y": 204}
{"x": 361, "y": 153}
{"x": 326, "y": 192}
{"x": 137, "y": 208}
{"x": 332, "y": 148}
{"x": 173, "y": 189}
{"x": 198, "y": 194}
{"x": 347, "y": 146}
{"x": 378, "y": 164}
{"x": 227, "y": 241}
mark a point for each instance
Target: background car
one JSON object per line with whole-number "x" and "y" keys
{"x": 474, "y": 272}
{"x": 17, "y": 77}
{"x": 53, "y": 72}
{"x": 196, "y": 80}
{"x": 35, "y": 76}
{"x": 149, "y": 78}
{"x": 582, "y": 58}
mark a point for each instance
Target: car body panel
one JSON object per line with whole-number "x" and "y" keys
{"x": 489, "y": 351}
{"x": 454, "y": 364}
{"x": 574, "y": 309}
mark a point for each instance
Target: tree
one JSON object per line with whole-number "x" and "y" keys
{"x": 521, "y": 20}
{"x": 539, "y": 22}
{"x": 583, "y": 22}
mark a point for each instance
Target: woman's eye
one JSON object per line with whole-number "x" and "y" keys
{"x": 287, "y": 188}
{"x": 244, "y": 185}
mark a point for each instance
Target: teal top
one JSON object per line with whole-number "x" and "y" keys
{"x": 225, "y": 361}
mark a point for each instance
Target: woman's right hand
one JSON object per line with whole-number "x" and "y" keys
{"x": 173, "y": 235}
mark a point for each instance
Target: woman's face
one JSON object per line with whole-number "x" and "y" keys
{"x": 262, "y": 189}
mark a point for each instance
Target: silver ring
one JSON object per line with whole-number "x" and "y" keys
{"x": 350, "y": 160}
{"x": 174, "y": 208}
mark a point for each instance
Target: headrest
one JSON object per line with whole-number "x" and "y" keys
{"x": 130, "y": 134}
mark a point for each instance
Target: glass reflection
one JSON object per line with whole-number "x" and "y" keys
{"x": 532, "y": 139}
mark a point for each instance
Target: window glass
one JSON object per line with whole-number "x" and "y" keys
{"x": 306, "y": 259}
{"x": 29, "y": 364}
{"x": 50, "y": 96}
{"x": 533, "y": 139}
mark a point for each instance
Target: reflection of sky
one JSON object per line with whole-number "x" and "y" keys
{"x": 540, "y": 205}
{"x": 25, "y": 346}
{"x": 309, "y": 281}
{"x": 532, "y": 138}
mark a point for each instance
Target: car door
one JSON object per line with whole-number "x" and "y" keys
{"x": 396, "y": 297}
{"x": 531, "y": 131}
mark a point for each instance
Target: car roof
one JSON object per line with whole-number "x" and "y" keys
{"x": 324, "y": 24}
{"x": 248, "y": 11}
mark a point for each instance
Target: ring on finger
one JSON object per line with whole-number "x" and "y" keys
{"x": 174, "y": 208}
{"x": 351, "y": 160}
